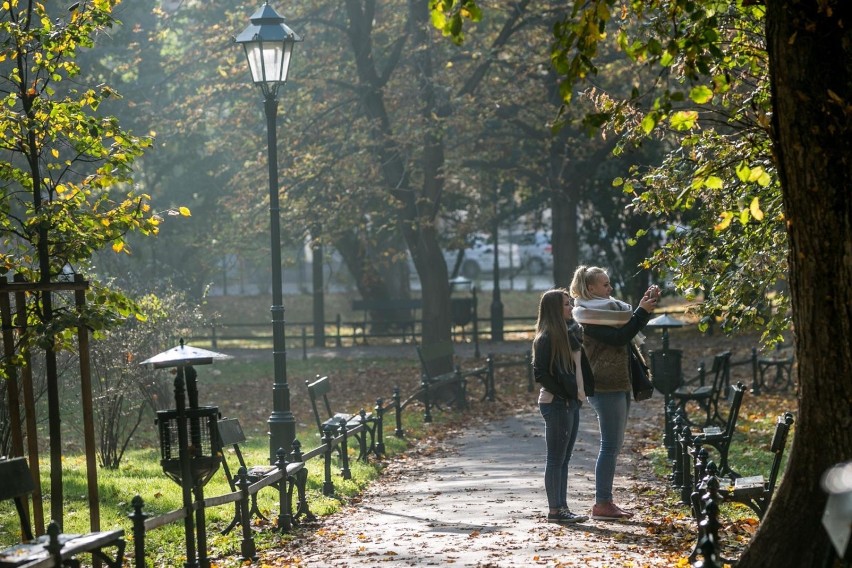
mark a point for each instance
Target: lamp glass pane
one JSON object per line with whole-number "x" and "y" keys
{"x": 269, "y": 62}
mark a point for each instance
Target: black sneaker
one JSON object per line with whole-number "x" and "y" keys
{"x": 566, "y": 517}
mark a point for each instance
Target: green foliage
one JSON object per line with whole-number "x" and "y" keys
{"x": 66, "y": 172}
{"x": 449, "y": 15}
{"x": 716, "y": 189}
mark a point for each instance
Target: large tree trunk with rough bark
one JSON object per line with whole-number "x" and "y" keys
{"x": 810, "y": 55}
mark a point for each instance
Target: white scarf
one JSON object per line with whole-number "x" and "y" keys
{"x": 605, "y": 311}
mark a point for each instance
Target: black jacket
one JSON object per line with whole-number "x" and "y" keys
{"x": 562, "y": 383}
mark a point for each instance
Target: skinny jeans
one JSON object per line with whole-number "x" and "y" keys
{"x": 612, "y": 409}
{"x": 561, "y": 418}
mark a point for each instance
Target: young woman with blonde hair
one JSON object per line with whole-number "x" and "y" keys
{"x": 609, "y": 327}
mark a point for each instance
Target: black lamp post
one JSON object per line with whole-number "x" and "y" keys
{"x": 268, "y": 44}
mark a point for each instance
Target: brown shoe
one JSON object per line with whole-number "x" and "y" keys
{"x": 609, "y": 512}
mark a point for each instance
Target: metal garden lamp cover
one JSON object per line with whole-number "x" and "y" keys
{"x": 268, "y": 45}
{"x": 665, "y": 322}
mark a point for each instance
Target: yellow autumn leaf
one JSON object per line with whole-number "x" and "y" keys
{"x": 756, "y": 212}
{"x": 727, "y": 217}
{"x": 713, "y": 182}
{"x": 118, "y": 246}
{"x": 185, "y": 212}
{"x": 61, "y": 189}
{"x": 54, "y": 152}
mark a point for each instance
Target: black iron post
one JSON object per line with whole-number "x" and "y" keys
{"x": 282, "y": 424}
{"x": 185, "y": 469}
{"x": 317, "y": 287}
{"x": 496, "y": 301}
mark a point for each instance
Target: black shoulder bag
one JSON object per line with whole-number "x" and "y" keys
{"x": 639, "y": 376}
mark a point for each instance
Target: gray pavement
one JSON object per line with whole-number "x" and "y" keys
{"x": 479, "y": 501}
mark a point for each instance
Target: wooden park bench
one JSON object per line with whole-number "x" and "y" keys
{"x": 407, "y": 307}
{"x": 362, "y": 425}
{"x": 756, "y": 491}
{"x": 450, "y": 387}
{"x": 231, "y": 436}
{"x": 706, "y": 396}
{"x": 54, "y": 549}
{"x": 778, "y": 367}
{"x": 719, "y": 438}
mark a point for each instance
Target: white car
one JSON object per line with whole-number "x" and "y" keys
{"x": 479, "y": 257}
{"x": 536, "y": 251}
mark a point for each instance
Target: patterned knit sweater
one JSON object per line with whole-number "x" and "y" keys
{"x": 607, "y": 349}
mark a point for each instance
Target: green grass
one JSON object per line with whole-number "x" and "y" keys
{"x": 140, "y": 474}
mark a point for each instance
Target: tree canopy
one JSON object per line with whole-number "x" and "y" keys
{"x": 759, "y": 93}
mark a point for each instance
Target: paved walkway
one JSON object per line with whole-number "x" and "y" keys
{"x": 479, "y": 501}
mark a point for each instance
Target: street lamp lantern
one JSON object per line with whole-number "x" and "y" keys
{"x": 268, "y": 45}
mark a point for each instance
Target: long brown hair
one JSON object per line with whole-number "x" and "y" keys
{"x": 551, "y": 321}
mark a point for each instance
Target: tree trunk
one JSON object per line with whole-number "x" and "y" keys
{"x": 418, "y": 208}
{"x": 810, "y": 64}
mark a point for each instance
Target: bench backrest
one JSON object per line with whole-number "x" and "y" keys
{"x": 779, "y": 442}
{"x": 231, "y": 434}
{"x": 318, "y": 392}
{"x": 16, "y": 482}
{"x": 721, "y": 371}
{"x": 736, "y": 402}
{"x": 433, "y": 357}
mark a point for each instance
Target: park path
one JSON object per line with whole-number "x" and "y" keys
{"x": 478, "y": 499}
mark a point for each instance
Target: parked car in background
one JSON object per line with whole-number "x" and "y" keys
{"x": 479, "y": 257}
{"x": 535, "y": 251}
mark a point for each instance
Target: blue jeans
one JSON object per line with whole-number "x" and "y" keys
{"x": 560, "y": 432}
{"x": 612, "y": 409}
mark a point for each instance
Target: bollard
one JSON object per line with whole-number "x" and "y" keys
{"x": 489, "y": 381}
{"x": 668, "y": 432}
{"x": 327, "y": 438}
{"x": 247, "y": 547}
{"x": 301, "y": 484}
{"x": 379, "y": 448}
{"x": 677, "y": 463}
{"x": 285, "y": 492}
{"x": 344, "y": 450}
{"x": 362, "y": 439}
{"x": 138, "y": 518}
{"x": 397, "y": 406}
{"x": 687, "y": 465}
{"x": 427, "y": 413}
